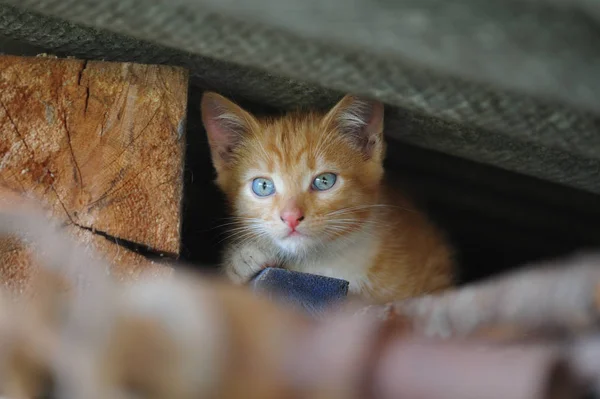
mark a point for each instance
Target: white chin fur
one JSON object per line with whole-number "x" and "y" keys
{"x": 294, "y": 244}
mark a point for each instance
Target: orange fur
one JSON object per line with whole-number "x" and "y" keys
{"x": 358, "y": 230}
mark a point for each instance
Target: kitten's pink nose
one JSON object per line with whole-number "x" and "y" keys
{"x": 292, "y": 217}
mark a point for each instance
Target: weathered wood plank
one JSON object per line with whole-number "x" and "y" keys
{"x": 101, "y": 144}
{"x": 104, "y": 141}
{"x": 18, "y": 266}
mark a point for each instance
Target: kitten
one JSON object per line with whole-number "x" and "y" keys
{"x": 306, "y": 193}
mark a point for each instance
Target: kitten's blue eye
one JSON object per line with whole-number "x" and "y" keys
{"x": 263, "y": 187}
{"x": 324, "y": 182}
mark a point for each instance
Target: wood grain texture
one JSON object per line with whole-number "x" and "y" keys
{"x": 103, "y": 140}
{"x": 100, "y": 144}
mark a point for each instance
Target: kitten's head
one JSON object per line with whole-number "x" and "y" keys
{"x": 300, "y": 180}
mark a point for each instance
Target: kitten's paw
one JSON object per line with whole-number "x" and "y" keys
{"x": 246, "y": 262}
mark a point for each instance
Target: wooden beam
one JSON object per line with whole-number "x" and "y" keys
{"x": 100, "y": 144}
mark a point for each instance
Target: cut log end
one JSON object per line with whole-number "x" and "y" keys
{"x": 101, "y": 146}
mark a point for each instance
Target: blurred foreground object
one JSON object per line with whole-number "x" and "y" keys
{"x": 102, "y": 145}
{"x": 86, "y": 335}
{"x": 559, "y": 298}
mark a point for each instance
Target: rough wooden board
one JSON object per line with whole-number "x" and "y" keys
{"x": 15, "y": 265}
{"x": 101, "y": 143}
{"x": 18, "y": 265}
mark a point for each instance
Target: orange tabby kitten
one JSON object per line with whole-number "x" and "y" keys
{"x": 306, "y": 193}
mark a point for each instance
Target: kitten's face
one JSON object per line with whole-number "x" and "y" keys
{"x": 302, "y": 180}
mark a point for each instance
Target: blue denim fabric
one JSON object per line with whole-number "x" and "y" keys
{"x": 311, "y": 292}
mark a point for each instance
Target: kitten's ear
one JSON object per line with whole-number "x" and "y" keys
{"x": 361, "y": 120}
{"x": 226, "y": 125}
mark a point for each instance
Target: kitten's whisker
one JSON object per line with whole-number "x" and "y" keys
{"x": 255, "y": 238}
{"x": 237, "y": 221}
{"x": 337, "y": 229}
{"x": 225, "y": 224}
{"x": 236, "y": 234}
{"x": 357, "y": 207}
{"x": 355, "y": 221}
{"x": 240, "y": 218}
{"x": 233, "y": 232}
{"x": 364, "y": 207}
{"x": 361, "y": 223}
{"x": 350, "y": 220}
{"x": 245, "y": 226}
{"x": 243, "y": 238}
{"x": 228, "y": 238}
